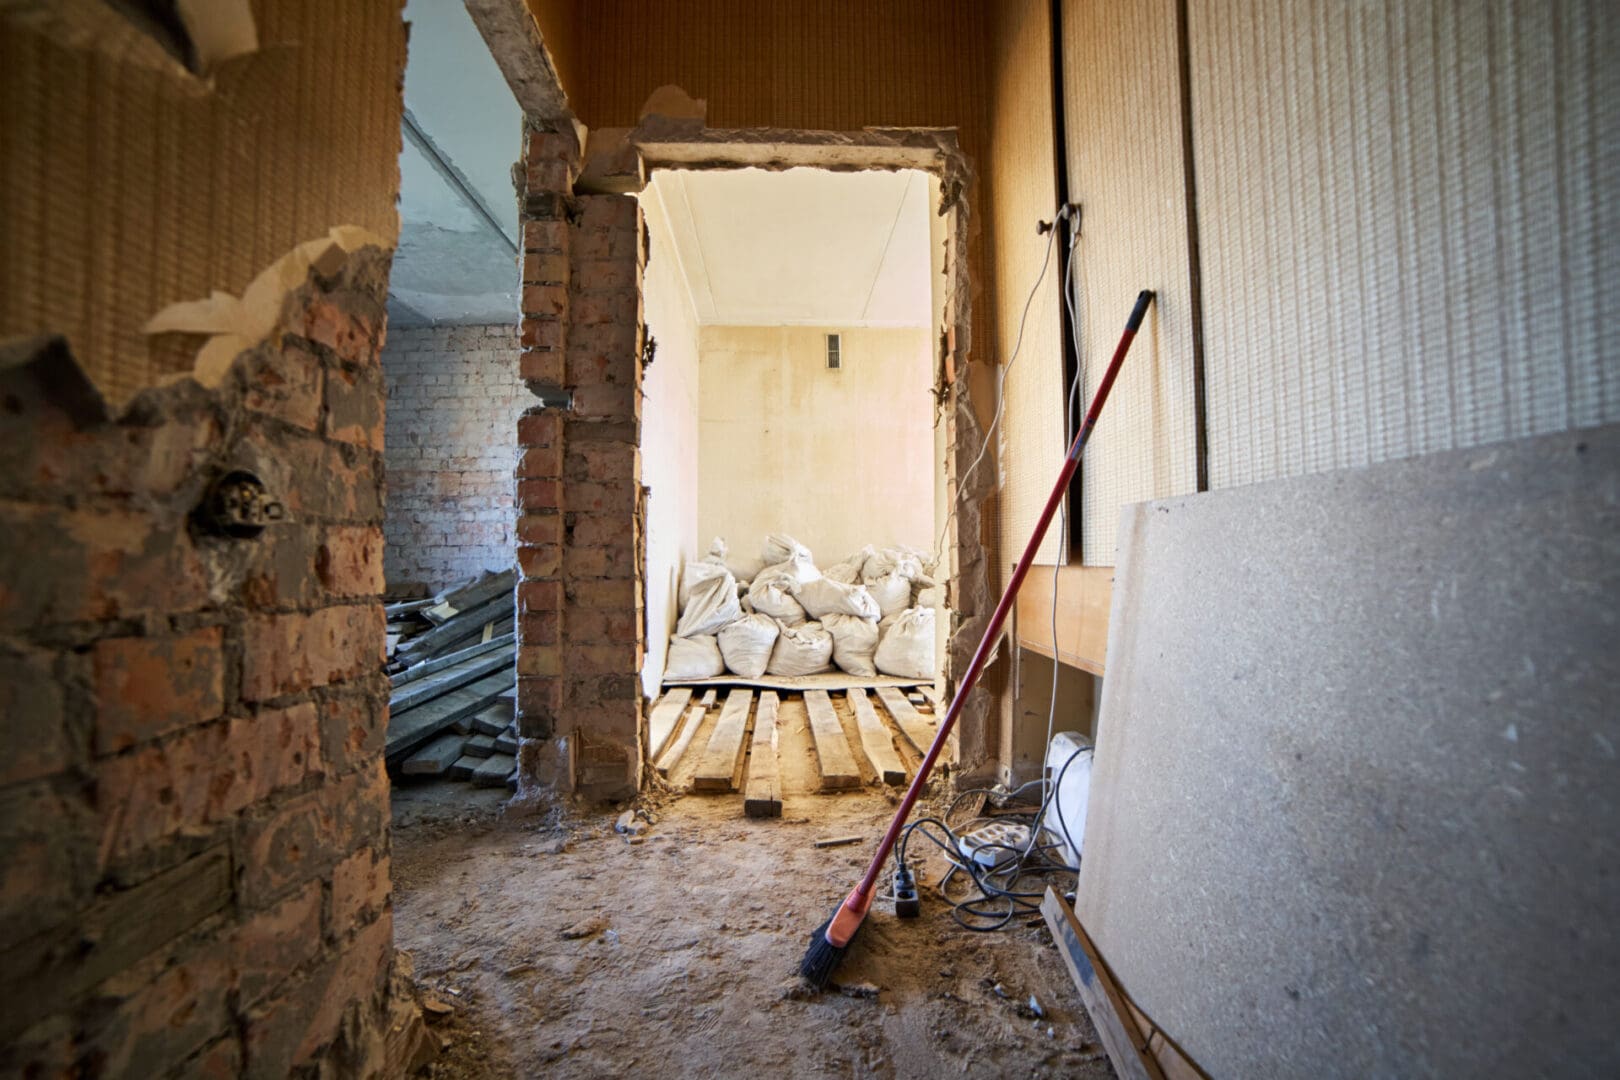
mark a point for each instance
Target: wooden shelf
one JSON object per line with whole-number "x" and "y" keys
{"x": 1083, "y": 597}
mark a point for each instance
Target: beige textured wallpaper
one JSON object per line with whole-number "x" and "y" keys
{"x": 1408, "y": 214}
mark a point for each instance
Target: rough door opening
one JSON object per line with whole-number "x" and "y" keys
{"x": 791, "y": 394}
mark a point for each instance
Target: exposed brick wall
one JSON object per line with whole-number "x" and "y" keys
{"x": 582, "y": 625}
{"x": 193, "y": 808}
{"x": 454, "y": 398}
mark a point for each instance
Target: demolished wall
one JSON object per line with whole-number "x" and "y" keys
{"x": 454, "y": 398}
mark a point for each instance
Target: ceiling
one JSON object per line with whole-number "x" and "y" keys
{"x": 457, "y": 254}
{"x": 804, "y": 247}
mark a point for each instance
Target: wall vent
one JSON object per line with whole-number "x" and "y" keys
{"x": 835, "y": 359}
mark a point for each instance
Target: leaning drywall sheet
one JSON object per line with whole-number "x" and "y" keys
{"x": 1356, "y": 808}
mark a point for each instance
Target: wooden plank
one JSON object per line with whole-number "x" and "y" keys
{"x": 1084, "y": 594}
{"x": 1124, "y": 1041}
{"x": 494, "y": 770}
{"x": 762, "y": 796}
{"x": 717, "y": 770}
{"x": 506, "y": 742}
{"x": 683, "y": 739}
{"x": 708, "y": 698}
{"x": 495, "y": 719}
{"x": 462, "y": 768}
{"x": 468, "y": 623}
{"x": 917, "y": 731}
{"x": 435, "y": 686}
{"x": 481, "y": 590}
{"x": 408, "y": 730}
{"x": 876, "y": 741}
{"x": 480, "y": 746}
{"x": 663, "y": 718}
{"x": 432, "y": 667}
{"x": 837, "y": 764}
{"x": 435, "y": 758}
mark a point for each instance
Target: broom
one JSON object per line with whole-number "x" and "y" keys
{"x": 832, "y": 938}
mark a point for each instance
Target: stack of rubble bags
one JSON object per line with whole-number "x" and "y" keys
{"x": 871, "y": 614}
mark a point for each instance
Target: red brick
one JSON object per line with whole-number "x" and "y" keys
{"x": 604, "y": 244}
{"x": 603, "y": 461}
{"x": 540, "y": 235}
{"x": 539, "y": 562}
{"x": 546, "y": 267}
{"x": 540, "y": 428}
{"x": 360, "y": 889}
{"x": 590, "y": 626}
{"x": 622, "y": 593}
{"x": 350, "y": 562}
{"x": 597, "y": 369}
{"x": 599, "y": 562}
{"x": 540, "y": 528}
{"x": 535, "y": 333}
{"x": 609, "y": 212}
{"x": 607, "y": 402}
{"x": 620, "y": 273}
{"x": 271, "y": 944}
{"x": 592, "y": 530}
{"x": 31, "y": 701}
{"x": 548, "y": 367}
{"x": 545, "y": 301}
{"x": 354, "y": 407}
{"x": 621, "y": 339}
{"x": 541, "y": 628}
{"x": 602, "y": 659}
{"x": 549, "y": 176}
{"x": 540, "y": 659}
{"x": 604, "y": 496}
{"x": 350, "y": 336}
{"x": 541, "y": 462}
{"x": 285, "y": 384}
{"x": 276, "y": 749}
{"x": 539, "y": 494}
{"x": 617, "y": 720}
{"x": 287, "y": 653}
{"x": 618, "y": 307}
{"x": 540, "y": 596}
{"x": 146, "y": 687}
{"x": 539, "y": 697}
{"x": 353, "y": 727}
{"x": 305, "y": 836}
{"x": 165, "y": 1021}
{"x": 549, "y": 146}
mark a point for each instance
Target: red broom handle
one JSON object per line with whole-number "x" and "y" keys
{"x": 1010, "y": 594}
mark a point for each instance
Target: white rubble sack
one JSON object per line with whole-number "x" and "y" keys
{"x": 801, "y": 650}
{"x": 892, "y": 591}
{"x": 694, "y": 658}
{"x": 823, "y": 596}
{"x": 712, "y": 605}
{"x": 780, "y": 547}
{"x": 905, "y": 561}
{"x": 854, "y": 641}
{"x": 799, "y": 568}
{"x": 706, "y": 569}
{"x": 849, "y": 571}
{"x": 906, "y": 649}
{"x": 746, "y": 644}
{"x": 772, "y": 594}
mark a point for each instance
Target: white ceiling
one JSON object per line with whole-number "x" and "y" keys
{"x": 805, "y": 247}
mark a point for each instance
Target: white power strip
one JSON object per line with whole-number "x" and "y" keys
{"x": 980, "y": 845}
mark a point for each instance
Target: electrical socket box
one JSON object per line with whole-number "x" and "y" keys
{"x": 988, "y": 844}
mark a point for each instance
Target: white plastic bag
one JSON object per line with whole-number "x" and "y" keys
{"x": 702, "y": 571}
{"x": 772, "y": 594}
{"x": 849, "y": 571}
{"x": 780, "y": 547}
{"x": 892, "y": 591}
{"x": 799, "y": 568}
{"x": 746, "y": 644}
{"x": 694, "y": 658}
{"x": 712, "y": 605}
{"x": 854, "y": 641}
{"x": 906, "y": 649}
{"x": 801, "y": 650}
{"x": 824, "y": 596}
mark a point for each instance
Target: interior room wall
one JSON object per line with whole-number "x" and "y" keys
{"x": 837, "y": 459}
{"x": 454, "y": 398}
{"x": 669, "y": 436}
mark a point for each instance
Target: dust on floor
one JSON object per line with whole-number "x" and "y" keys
{"x": 564, "y": 949}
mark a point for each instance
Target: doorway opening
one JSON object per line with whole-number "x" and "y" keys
{"x": 795, "y": 458}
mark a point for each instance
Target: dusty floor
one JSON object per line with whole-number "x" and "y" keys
{"x": 562, "y": 948}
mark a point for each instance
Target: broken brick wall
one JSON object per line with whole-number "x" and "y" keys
{"x": 194, "y": 814}
{"x": 193, "y": 811}
{"x": 454, "y": 398}
{"x": 581, "y": 625}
